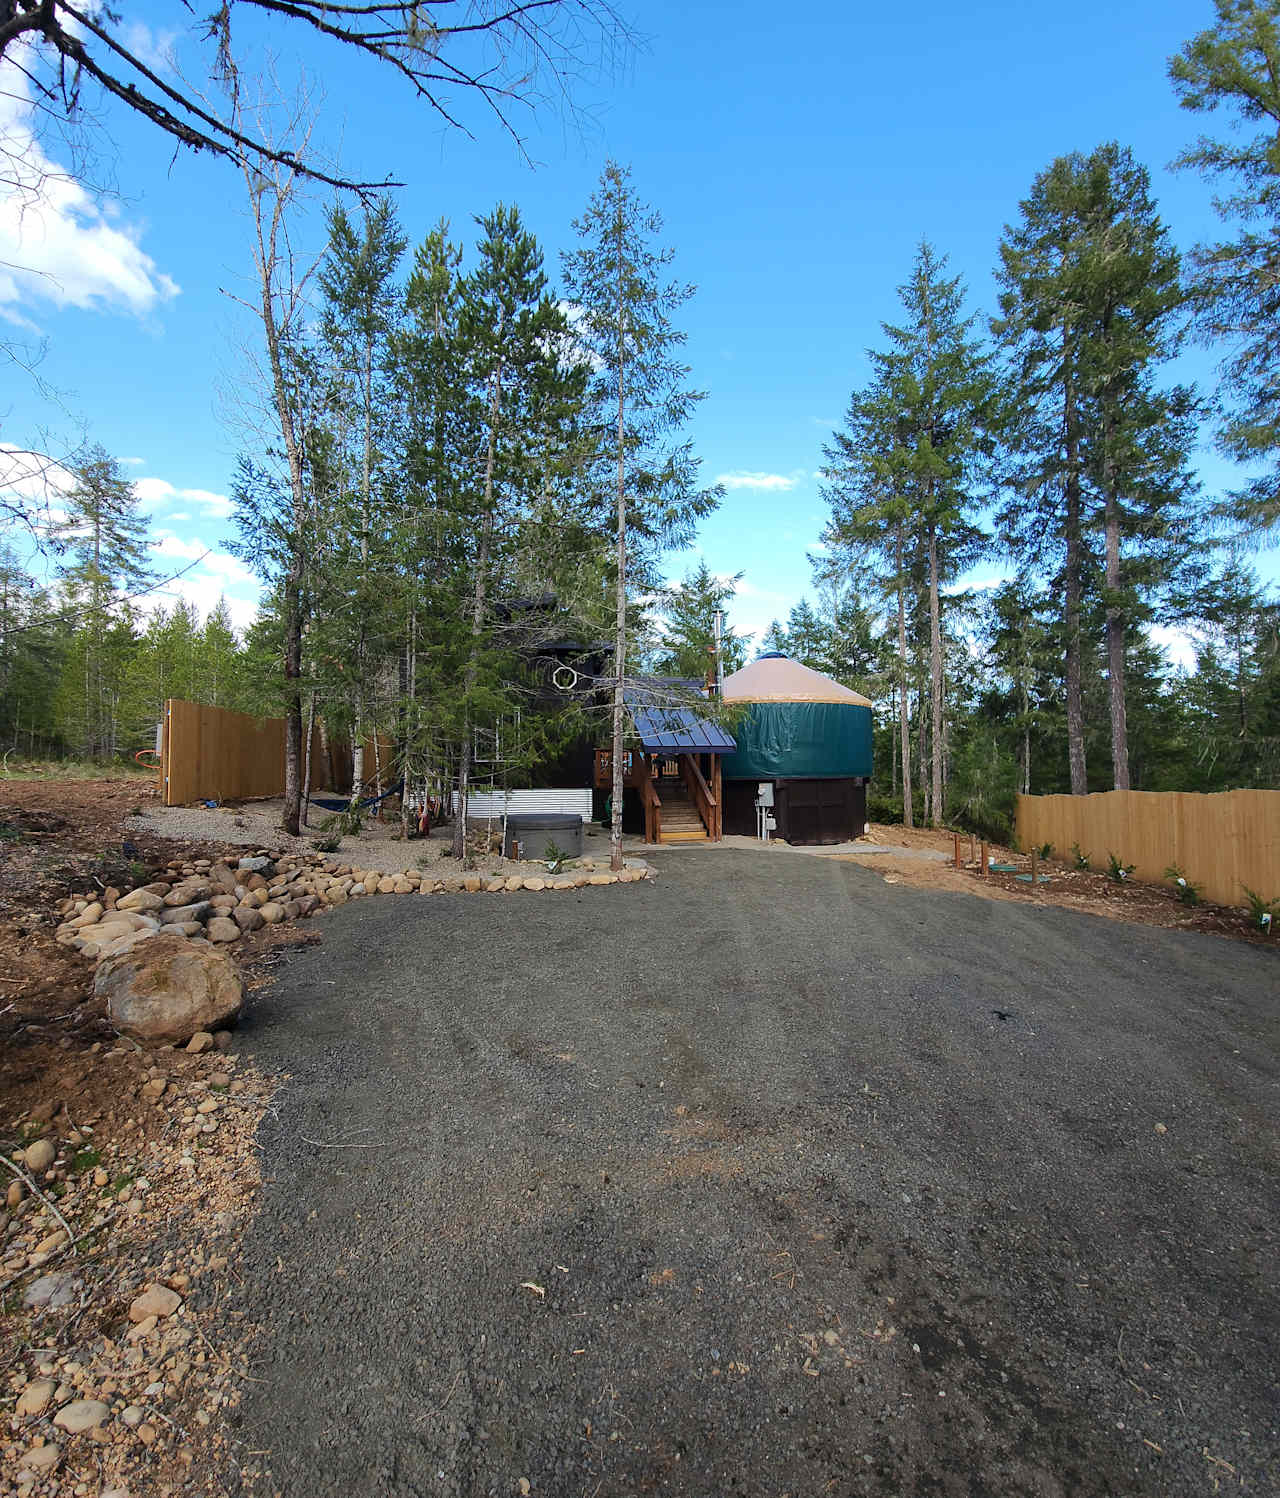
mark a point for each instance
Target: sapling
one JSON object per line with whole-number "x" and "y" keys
{"x": 1117, "y": 869}
{"x": 1188, "y": 893}
{"x": 1080, "y": 858}
{"x": 1261, "y": 912}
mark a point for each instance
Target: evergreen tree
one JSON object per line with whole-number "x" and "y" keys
{"x": 624, "y": 304}
{"x": 1098, "y": 485}
{"x": 688, "y": 641}
{"x": 103, "y": 531}
{"x": 1235, "y": 66}
{"x": 32, "y": 645}
{"x": 511, "y": 335}
{"x": 359, "y": 315}
{"x": 103, "y": 542}
{"x": 903, "y": 476}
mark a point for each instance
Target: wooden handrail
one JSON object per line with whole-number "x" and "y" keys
{"x": 652, "y": 803}
{"x": 703, "y": 800}
{"x": 698, "y": 778}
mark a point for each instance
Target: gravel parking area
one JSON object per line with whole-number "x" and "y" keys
{"x": 767, "y": 1178}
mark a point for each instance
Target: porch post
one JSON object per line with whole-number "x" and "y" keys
{"x": 718, "y": 792}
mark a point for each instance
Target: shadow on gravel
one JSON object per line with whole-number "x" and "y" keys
{"x": 786, "y": 1183}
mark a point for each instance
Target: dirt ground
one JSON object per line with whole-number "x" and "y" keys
{"x": 158, "y": 1194}
{"x": 380, "y": 844}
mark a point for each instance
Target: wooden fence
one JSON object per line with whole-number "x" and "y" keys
{"x": 210, "y": 753}
{"x": 1221, "y": 842}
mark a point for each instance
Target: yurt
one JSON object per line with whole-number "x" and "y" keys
{"x": 803, "y": 753}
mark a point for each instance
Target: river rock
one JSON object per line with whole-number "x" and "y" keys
{"x": 253, "y": 865}
{"x": 179, "y": 915}
{"x": 52, "y": 1292}
{"x": 140, "y": 899}
{"x": 272, "y": 913}
{"x": 222, "y": 929}
{"x": 41, "y": 1458}
{"x": 81, "y": 1414}
{"x": 34, "y": 1399}
{"x": 166, "y": 989}
{"x": 247, "y": 917}
{"x": 40, "y": 1156}
{"x": 155, "y": 1300}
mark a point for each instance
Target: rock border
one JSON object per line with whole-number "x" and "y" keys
{"x": 218, "y": 902}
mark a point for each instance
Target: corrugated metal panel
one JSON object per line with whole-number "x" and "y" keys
{"x": 572, "y": 801}
{"x": 665, "y": 724}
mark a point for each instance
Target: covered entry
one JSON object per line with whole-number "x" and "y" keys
{"x": 676, "y": 768}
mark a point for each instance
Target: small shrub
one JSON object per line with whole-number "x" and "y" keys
{"x": 1262, "y": 913}
{"x": 327, "y": 844}
{"x": 1187, "y": 892}
{"x": 343, "y": 823}
{"x": 887, "y": 809}
{"x": 1045, "y": 850}
{"x": 1079, "y": 859}
{"x": 424, "y": 860}
{"x": 1118, "y": 870}
{"x": 554, "y": 857}
{"x": 138, "y": 871}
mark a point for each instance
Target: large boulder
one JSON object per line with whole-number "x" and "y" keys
{"x": 166, "y": 989}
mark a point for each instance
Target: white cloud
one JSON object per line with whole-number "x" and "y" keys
{"x": 32, "y": 477}
{"x": 154, "y": 493}
{"x": 155, "y": 48}
{"x": 167, "y": 544}
{"x": 743, "y": 479}
{"x": 215, "y": 575}
{"x": 60, "y": 244}
{"x": 214, "y": 506}
{"x": 1178, "y": 644}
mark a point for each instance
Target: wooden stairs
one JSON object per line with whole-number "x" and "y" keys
{"x": 680, "y": 820}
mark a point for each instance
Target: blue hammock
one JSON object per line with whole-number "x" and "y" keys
{"x": 332, "y": 803}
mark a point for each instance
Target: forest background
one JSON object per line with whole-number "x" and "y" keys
{"x": 1033, "y": 537}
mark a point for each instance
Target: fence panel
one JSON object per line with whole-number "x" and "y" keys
{"x": 210, "y": 753}
{"x": 1221, "y": 841}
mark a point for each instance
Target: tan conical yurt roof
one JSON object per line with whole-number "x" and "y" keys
{"x": 775, "y": 678}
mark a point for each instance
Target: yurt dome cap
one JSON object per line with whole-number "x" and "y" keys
{"x": 797, "y": 724}
{"x": 777, "y": 678}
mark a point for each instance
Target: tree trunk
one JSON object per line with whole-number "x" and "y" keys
{"x": 904, "y": 705}
{"x": 477, "y": 618}
{"x": 306, "y": 773}
{"x": 922, "y": 743}
{"x": 935, "y": 675}
{"x": 1072, "y": 592}
{"x": 357, "y": 754}
{"x": 620, "y": 620}
{"x": 291, "y": 591}
{"x": 1115, "y": 647}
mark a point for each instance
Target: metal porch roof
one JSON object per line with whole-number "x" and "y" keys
{"x": 667, "y": 721}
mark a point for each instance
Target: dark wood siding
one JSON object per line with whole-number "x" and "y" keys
{"x": 807, "y": 811}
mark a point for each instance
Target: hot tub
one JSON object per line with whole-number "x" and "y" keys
{"x": 529, "y": 834}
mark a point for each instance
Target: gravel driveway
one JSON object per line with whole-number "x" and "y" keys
{"x": 767, "y": 1178}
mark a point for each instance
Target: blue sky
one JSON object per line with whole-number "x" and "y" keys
{"x": 797, "y": 161}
